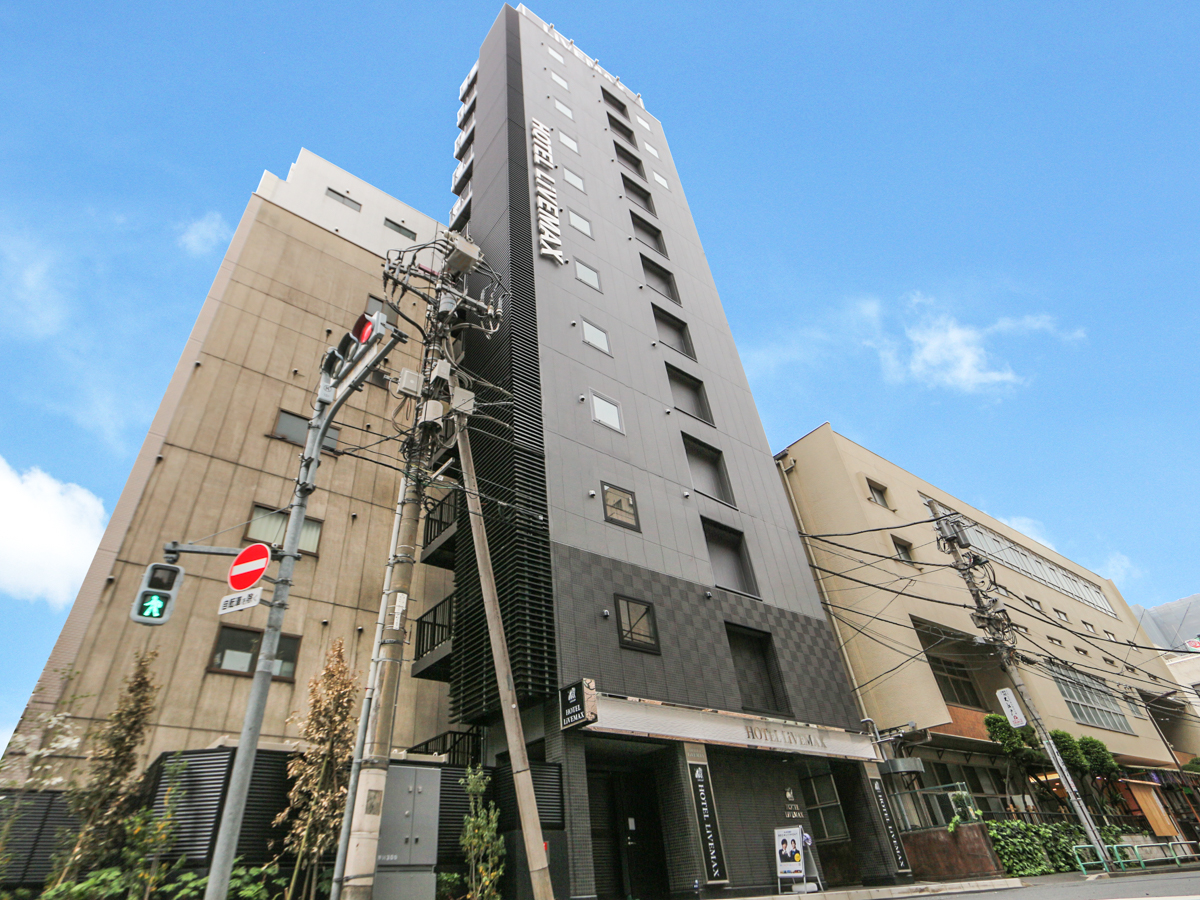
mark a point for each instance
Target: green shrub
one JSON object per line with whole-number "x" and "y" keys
{"x": 1038, "y": 849}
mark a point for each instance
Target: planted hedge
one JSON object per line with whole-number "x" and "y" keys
{"x": 1026, "y": 849}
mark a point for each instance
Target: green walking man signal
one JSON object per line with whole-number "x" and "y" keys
{"x": 156, "y": 597}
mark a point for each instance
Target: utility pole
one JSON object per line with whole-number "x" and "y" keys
{"x": 531, "y": 824}
{"x": 992, "y": 618}
{"x": 442, "y": 406}
{"x": 343, "y": 371}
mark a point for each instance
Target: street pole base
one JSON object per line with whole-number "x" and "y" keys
{"x": 357, "y": 892}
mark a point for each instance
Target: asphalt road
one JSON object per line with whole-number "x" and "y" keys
{"x": 1175, "y": 885}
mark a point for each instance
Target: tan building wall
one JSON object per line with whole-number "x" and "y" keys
{"x": 876, "y": 598}
{"x": 296, "y": 276}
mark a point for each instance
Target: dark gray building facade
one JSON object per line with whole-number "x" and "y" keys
{"x": 639, "y": 531}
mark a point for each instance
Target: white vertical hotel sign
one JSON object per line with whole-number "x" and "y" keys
{"x": 545, "y": 193}
{"x": 1012, "y": 709}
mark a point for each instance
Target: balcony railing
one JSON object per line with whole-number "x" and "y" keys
{"x": 463, "y": 141}
{"x": 462, "y": 173}
{"x": 435, "y": 627}
{"x": 468, "y": 81}
{"x": 439, "y": 518}
{"x": 462, "y": 748}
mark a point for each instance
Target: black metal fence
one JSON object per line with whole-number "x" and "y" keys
{"x": 439, "y": 518}
{"x": 462, "y": 748}
{"x": 435, "y": 627}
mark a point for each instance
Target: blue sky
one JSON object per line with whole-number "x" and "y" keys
{"x": 965, "y": 234}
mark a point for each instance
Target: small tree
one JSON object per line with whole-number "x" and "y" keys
{"x": 480, "y": 839}
{"x": 109, "y": 795}
{"x": 320, "y": 774}
{"x": 1192, "y": 765}
{"x": 1068, "y": 749}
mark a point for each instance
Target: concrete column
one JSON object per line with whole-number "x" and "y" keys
{"x": 566, "y": 749}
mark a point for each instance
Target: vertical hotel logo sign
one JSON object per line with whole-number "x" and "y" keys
{"x": 545, "y": 194}
{"x": 706, "y": 818}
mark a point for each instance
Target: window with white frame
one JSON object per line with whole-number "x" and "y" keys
{"x": 650, "y": 150}
{"x": 606, "y": 412}
{"x": 560, "y": 81}
{"x": 573, "y": 180}
{"x": 564, "y": 109}
{"x": 579, "y": 223}
{"x": 1089, "y": 699}
{"x": 555, "y": 54}
{"x": 662, "y": 181}
{"x": 587, "y": 275}
{"x": 595, "y": 335}
{"x": 568, "y": 142}
{"x": 269, "y": 525}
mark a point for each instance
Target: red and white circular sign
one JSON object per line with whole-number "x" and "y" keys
{"x": 249, "y": 566}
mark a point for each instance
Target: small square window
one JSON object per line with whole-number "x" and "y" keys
{"x": 554, "y": 53}
{"x": 572, "y": 179}
{"x": 1034, "y": 603}
{"x": 568, "y": 142}
{"x": 595, "y": 335}
{"x": 566, "y": 111}
{"x": 650, "y": 150}
{"x": 1090, "y": 627}
{"x": 560, "y": 81}
{"x": 878, "y": 493}
{"x": 1021, "y": 628}
{"x": 377, "y": 305}
{"x": 903, "y": 550}
{"x": 1110, "y": 635}
{"x": 1131, "y": 669}
{"x": 579, "y": 223}
{"x": 1055, "y": 641}
{"x": 236, "y": 652}
{"x": 620, "y": 506}
{"x": 294, "y": 429}
{"x": 662, "y": 181}
{"x": 403, "y": 230}
{"x": 606, "y": 412}
{"x": 267, "y": 525}
{"x": 587, "y": 275}
{"x": 643, "y": 122}
{"x": 1110, "y": 661}
{"x": 1062, "y": 615}
{"x": 343, "y": 199}
{"x": 1081, "y": 651}
{"x": 636, "y": 625}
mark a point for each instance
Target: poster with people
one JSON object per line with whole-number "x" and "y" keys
{"x": 789, "y": 852}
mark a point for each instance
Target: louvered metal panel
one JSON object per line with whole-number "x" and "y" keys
{"x": 509, "y": 458}
{"x": 547, "y": 788}
{"x": 43, "y": 824}
{"x": 454, "y": 808}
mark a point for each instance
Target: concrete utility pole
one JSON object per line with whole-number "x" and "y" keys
{"x": 442, "y": 406}
{"x": 343, "y": 370}
{"x": 531, "y": 823}
{"x": 991, "y": 617}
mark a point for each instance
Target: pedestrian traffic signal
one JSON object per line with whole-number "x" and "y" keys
{"x": 156, "y": 597}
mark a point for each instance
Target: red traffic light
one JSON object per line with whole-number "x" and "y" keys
{"x": 363, "y": 328}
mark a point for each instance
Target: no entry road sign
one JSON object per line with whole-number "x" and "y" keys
{"x": 249, "y": 566}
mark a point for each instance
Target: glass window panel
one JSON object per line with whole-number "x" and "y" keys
{"x": 606, "y": 412}
{"x": 579, "y": 223}
{"x": 825, "y": 790}
{"x": 294, "y": 428}
{"x": 560, "y": 81}
{"x": 269, "y": 527}
{"x": 568, "y": 142}
{"x": 595, "y": 336}
{"x": 555, "y": 54}
{"x": 661, "y": 181}
{"x": 236, "y": 650}
{"x": 572, "y": 179}
{"x": 637, "y": 623}
{"x": 620, "y": 506}
{"x": 642, "y": 122}
{"x": 564, "y": 109}
{"x": 835, "y": 822}
{"x": 587, "y": 275}
{"x": 650, "y": 150}
{"x": 400, "y": 229}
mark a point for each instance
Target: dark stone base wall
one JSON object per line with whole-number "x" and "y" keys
{"x": 962, "y": 855}
{"x": 873, "y": 856}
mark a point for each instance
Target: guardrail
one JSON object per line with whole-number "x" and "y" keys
{"x": 1130, "y": 855}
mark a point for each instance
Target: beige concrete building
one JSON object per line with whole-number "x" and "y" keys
{"x": 222, "y": 454}
{"x": 902, "y": 614}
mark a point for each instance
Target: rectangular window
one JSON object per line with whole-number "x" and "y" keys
{"x": 572, "y": 179}
{"x": 342, "y": 198}
{"x": 564, "y": 109}
{"x": 579, "y": 223}
{"x": 587, "y": 275}
{"x": 635, "y": 193}
{"x": 400, "y": 229}
{"x": 614, "y": 103}
{"x": 294, "y": 429}
{"x": 821, "y": 801}
{"x": 757, "y": 671}
{"x": 878, "y": 493}
{"x": 628, "y": 160}
{"x": 661, "y": 181}
{"x": 268, "y": 526}
{"x": 555, "y": 54}
{"x": 560, "y": 81}
{"x": 673, "y": 332}
{"x": 376, "y": 305}
{"x": 729, "y": 559}
{"x": 1062, "y": 615}
{"x": 1081, "y": 651}
{"x": 1055, "y": 641}
{"x": 620, "y": 506}
{"x": 1089, "y": 699}
{"x": 622, "y": 129}
{"x": 707, "y": 465}
{"x": 650, "y": 150}
{"x": 688, "y": 395}
{"x": 1134, "y": 702}
{"x": 1090, "y": 627}
{"x": 1110, "y": 635}
{"x": 568, "y": 142}
{"x": 1110, "y": 661}
{"x": 594, "y": 335}
{"x": 955, "y": 682}
{"x": 643, "y": 122}
{"x": 659, "y": 279}
{"x": 904, "y": 550}
{"x": 635, "y": 624}
{"x": 647, "y": 233}
{"x": 1034, "y": 603}
{"x": 1021, "y": 628}
{"x": 606, "y": 412}
{"x": 236, "y": 652}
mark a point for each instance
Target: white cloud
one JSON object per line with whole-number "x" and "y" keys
{"x": 30, "y": 299}
{"x": 947, "y": 354}
{"x": 202, "y": 236}
{"x": 49, "y": 532}
{"x": 1030, "y": 528}
{"x": 1118, "y": 568}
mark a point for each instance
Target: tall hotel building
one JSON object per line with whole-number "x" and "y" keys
{"x": 640, "y": 535}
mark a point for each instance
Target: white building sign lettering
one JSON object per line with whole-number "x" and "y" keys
{"x": 546, "y": 194}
